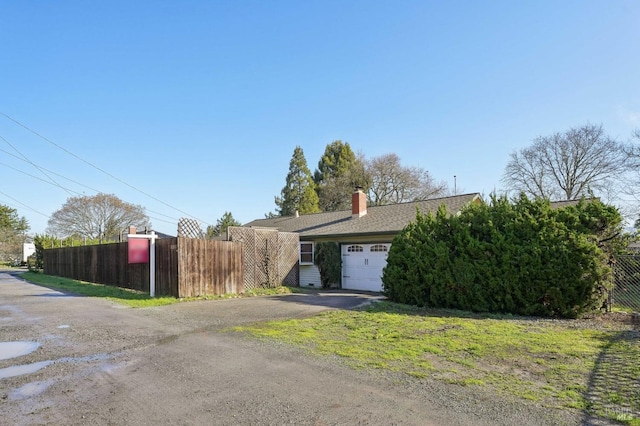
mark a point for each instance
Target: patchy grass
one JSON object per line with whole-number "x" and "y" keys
{"x": 132, "y": 298}
{"x": 557, "y": 363}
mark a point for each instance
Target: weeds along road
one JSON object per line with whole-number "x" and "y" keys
{"x": 86, "y": 361}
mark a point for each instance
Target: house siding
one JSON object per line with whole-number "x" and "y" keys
{"x": 310, "y": 276}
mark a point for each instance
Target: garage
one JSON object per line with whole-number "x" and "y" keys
{"x": 362, "y": 266}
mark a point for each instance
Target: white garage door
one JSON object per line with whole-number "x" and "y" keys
{"x": 362, "y": 266}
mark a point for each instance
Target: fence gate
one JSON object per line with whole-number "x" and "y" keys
{"x": 625, "y": 293}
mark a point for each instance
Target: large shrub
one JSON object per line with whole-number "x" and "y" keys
{"x": 329, "y": 261}
{"x": 520, "y": 257}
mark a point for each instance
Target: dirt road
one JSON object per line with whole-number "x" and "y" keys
{"x": 94, "y": 362}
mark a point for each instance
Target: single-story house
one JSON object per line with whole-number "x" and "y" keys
{"x": 364, "y": 234}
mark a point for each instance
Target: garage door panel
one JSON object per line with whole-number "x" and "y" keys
{"x": 362, "y": 266}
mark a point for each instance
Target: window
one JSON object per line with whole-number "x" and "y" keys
{"x": 354, "y": 249}
{"x": 378, "y": 247}
{"x": 306, "y": 253}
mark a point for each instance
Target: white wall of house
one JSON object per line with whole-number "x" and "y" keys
{"x": 310, "y": 276}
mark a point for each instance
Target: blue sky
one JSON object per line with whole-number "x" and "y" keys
{"x": 201, "y": 104}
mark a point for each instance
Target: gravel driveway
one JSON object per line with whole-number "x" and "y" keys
{"x": 98, "y": 363}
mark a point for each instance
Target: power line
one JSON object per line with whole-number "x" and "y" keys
{"x": 47, "y": 170}
{"x": 33, "y": 164}
{"x": 23, "y": 204}
{"x": 70, "y": 191}
{"x": 96, "y": 167}
{"x": 175, "y": 220}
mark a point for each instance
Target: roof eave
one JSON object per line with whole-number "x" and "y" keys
{"x": 332, "y": 237}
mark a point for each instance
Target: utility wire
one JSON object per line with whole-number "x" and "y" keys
{"x": 47, "y": 170}
{"x": 70, "y": 180}
{"x": 70, "y": 191}
{"x": 23, "y": 204}
{"x": 173, "y": 221}
{"x": 33, "y": 164}
{"x": 96, "y": 167}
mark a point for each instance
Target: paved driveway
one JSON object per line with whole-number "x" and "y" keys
{"x": 77, "y": 360}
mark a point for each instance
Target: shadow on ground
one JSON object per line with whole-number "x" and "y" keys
{"x": 331, "y": 299}
{"x": 614, "y": 385}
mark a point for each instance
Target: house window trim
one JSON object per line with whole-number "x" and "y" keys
{"x": 313, "y": 248}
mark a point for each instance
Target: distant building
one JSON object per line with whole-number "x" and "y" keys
{"x": 27, "y": 250}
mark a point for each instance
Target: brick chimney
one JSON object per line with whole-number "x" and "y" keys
{"x": 358, "y": 203}
{"x": 132, "y": 230}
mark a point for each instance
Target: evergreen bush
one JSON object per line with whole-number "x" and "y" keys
{"x": 521, "y": 257}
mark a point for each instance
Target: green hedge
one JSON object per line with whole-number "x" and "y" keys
{"x": 520, "y": 257}
{"x": 329, "y": 261}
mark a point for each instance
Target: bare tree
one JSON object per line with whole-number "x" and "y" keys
{"x": 632, "y": 152}
{"x": 392, "y": 183}
{"x": 631, "y": 182}
{"x": 566, "y": 165}
{"x": 101, "y": 217}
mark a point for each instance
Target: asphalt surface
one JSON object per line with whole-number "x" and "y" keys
{"x": 98, "y": 363}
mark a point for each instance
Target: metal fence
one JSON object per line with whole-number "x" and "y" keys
{"x": 625, "y": 294}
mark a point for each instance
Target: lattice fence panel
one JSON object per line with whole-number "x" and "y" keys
{"x": 288, "y": 257}
{"x": 266, "y": 255}
{"x": 626, "y": 290}
{"x": 270, "y": 257}
{"x": 189, "y": 228}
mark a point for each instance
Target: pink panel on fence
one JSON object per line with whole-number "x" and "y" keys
{"x": 138, "y": 250}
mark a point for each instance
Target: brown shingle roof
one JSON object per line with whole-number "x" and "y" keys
{"x": 389, "y": 219}
{"x": 565, "y": 203}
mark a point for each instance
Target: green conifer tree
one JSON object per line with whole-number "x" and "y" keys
{"x": 339, "y": 172}
{"x": 299, "y": 192}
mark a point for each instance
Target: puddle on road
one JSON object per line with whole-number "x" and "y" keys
{"x": 15, "y": 349}
{"x": 63, "y": 326}
{"x": 29, "y": 390}
{"x": 19, "y": 370}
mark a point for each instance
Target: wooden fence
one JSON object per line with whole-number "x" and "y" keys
{"x": 184, "y": 267}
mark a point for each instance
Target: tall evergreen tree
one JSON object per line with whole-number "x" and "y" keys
{"x": 339, "y": 171}
{"x": 220, "y": 228}
{"x": 299, "y": 191}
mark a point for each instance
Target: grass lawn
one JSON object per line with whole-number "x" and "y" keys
{"x": 132, "y": 298}
{"x": 589, "y": 365}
